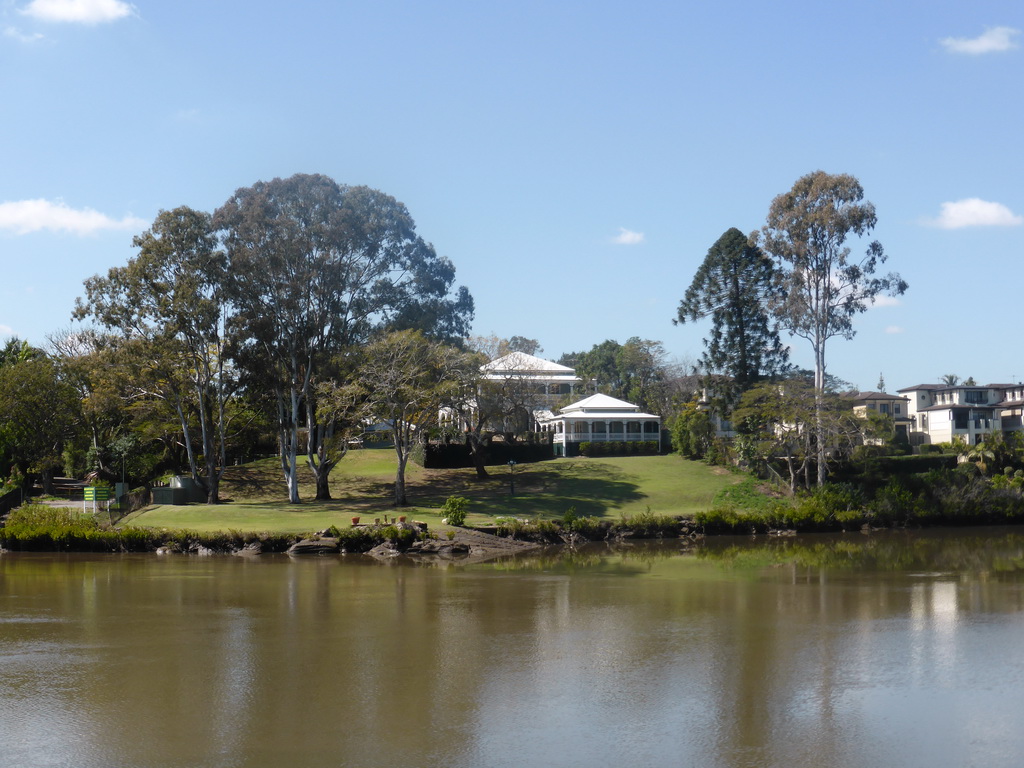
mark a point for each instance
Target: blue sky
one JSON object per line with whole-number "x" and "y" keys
{"x": 575, "y": 161}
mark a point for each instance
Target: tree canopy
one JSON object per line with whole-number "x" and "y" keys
{"x": 733, "y": 287}
{"x": 167, "y": 308}
{"x": 823, "y": 285}
{"x": 633, "y": 371}
{"x": 314, "y": 267}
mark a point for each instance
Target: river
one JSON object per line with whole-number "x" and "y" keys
{"x": 895, "y": 649}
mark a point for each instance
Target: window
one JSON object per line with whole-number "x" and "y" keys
{"x": 884, "y": 408}
{"x": 895, "y": 409}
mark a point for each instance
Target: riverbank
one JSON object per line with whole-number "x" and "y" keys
{"x": 361, "y": 486}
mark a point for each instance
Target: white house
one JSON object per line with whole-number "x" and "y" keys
{"x": 941, "y": 413}
{"x": 543, "y": 382}
{"x": 600, "y": 418}
{"x": 527, "y": 387}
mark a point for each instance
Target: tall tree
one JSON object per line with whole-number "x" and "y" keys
{"x": 314, "y": 267}
{"x": 776, "y": 423}
{"x": 17, "y": 350}
{"x": 733, "y": 287}
{"x": 40, "y": 412}
{"x": 823, "y": 285}
{"x": 168, "y": 308}
{"x": 633, "y": 371}
{"x": 524, "y": 345}
{"x": 404, "y": 379}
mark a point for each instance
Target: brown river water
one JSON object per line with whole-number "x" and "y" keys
{"x": 896, "y": 649}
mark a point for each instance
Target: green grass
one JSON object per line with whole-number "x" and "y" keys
{"x": 362, "y": 485}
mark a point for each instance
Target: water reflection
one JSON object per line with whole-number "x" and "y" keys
{"x": 894, "y": 649}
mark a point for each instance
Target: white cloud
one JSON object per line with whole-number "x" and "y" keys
{"x": 628, "y": 237}
{"x": 79, "y": 11}
{"x": 22, "y": 37}
{"x": 887, "y": 301}
{"x": 5, "y": 331}
{"x": 974, "y": 212}
{"x": 894, "y": 329}
{"x": 992, "y": 40}
{"x": 24, "y": 216}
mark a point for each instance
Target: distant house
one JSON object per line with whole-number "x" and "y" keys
{"x": 941, "y": 413}
{"x": 600, "y": 418}
{"x": 709, "y": 401}
{"x": 542, "y": 382}
{"x": 894, "y": 406}
{"x": 519, "y": 390}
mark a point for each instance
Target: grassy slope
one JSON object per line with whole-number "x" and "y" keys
{"x": 362, "y": 485}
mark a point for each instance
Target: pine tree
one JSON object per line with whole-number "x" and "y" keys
{"x": 732, "y": 287}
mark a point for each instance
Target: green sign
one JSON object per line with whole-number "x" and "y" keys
{"x": 94, "y": 493}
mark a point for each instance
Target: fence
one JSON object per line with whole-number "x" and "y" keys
{"x": 10, "y": 500}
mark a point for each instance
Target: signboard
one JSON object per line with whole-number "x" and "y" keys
{"x": 93, "y": 493}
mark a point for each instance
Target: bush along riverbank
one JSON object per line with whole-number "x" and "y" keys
{"x": 40, "y": 528}
{"x": 949, "y": 497}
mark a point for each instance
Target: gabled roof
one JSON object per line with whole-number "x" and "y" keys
{"x": 951, "y": 387}
{"x": 929, "y": 387}
{"x": 605, "y": 406}
{"x": 857, "y": 396}
{"x": 520, "y": 362}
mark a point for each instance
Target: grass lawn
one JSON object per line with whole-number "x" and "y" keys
{"x": 362, "y": 485}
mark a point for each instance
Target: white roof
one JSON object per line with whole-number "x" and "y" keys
{"x": 605, "y": 406}
{"x": 520, "y": 362}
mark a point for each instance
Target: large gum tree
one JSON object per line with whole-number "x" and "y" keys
{"x": 823, "y": 283}
{"x": 313, "y": 267}
{"x": 165, "y": 311}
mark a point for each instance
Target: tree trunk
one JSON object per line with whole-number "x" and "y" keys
{"x": 401, "y": 500}
{"x": 289, "y": 432}
{"x": 819, "y": 421}
{"x": 323, "y": 485}
{"x": 478, "y": 454}
{"x": 46, "y": 480}
{"x": 403, "y": 441}
{"x": 212, "y": 485}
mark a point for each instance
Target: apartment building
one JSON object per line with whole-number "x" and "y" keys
{"x": 942, "y": 413}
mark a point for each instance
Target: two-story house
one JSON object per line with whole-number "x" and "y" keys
{"x": 895, "y": 407}
{"x": 942, "y": 413}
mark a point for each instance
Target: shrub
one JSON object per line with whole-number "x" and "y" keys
{"x": 648, "y": 525}
{"x": 589, "y": 527}
{"x": 510, "y": 527}
{"x": 893, "y": 502}
{"x": 840, "y": 502}
{"x": 725, "y": 519}
{"x": 455, "y": 509}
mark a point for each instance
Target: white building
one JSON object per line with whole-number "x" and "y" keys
{"x": 940, "y": 413}
{"x": 542, "y": 382}
{"x": 517, "y": 391}
{"x": 600, "y": 418}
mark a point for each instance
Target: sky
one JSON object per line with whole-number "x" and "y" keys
{"x": 575, "y": 161}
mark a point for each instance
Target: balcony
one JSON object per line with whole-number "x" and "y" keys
{"x": 605, "y": 437}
